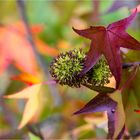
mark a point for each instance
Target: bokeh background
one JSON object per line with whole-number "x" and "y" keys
{"x": 51, "y": 23}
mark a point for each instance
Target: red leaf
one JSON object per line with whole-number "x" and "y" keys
{"x": 107, "y": 41}
{"x": 33, "y": 97}
{"x": 101, "y": 103}
{"x": 137, "y": 111}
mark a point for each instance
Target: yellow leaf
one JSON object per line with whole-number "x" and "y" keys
{"x": 32, "y": 95}
{"x": 120, "y": 114}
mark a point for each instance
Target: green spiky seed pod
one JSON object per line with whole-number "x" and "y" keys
{"x": 66, "y": 67}
{"x": 65, "y": 70}
{"x": 99, "y": 74}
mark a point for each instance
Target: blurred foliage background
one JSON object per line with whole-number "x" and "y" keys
{"x": 53, "y": 35}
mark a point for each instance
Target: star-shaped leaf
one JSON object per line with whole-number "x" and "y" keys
{"x": 31, "y": 94}
{"x": 107, "y": 41}
{"x": 99, "y": 104}
{"x": 112, "y": 104}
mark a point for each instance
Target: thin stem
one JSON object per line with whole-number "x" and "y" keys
{"x": 22, "y": 10}
{"x": 102, "y": 89}
{"x": 130, "y": 64}
{"x": 40, "y": 61}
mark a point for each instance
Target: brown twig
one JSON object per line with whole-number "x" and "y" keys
{"x": 42, "y": 65}
{"x": 22, "y": 10}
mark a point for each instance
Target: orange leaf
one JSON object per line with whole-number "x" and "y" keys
{"x": 45, "y": 49}
{"x": 28, "y": 78}
{"x": 15, "y": 48}
{"x": 20, "y": 28}
{"x": 63, "y": 45}
{"x": 42, "y": 47}
{"x": 37, "y": 28}
{"x": 31, "y": 94}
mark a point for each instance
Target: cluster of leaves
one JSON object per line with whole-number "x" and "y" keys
{"x": 107, "y": 41}
{"x": 73, "y": 68}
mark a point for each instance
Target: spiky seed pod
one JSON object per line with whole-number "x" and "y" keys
{"x": 65, "y": 70}
{"x": 66, "y": 67}
{"x": 99, "y": 74}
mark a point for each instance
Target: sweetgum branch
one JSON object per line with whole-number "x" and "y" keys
{"x": 42, "y": 65}
{"x": 116, "y": 37}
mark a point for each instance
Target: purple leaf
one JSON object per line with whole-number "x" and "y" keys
{"x": 107, "y": 41}
{"x": 102, "y": 102}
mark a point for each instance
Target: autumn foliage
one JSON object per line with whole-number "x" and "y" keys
{"x": 48, "y": 72}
